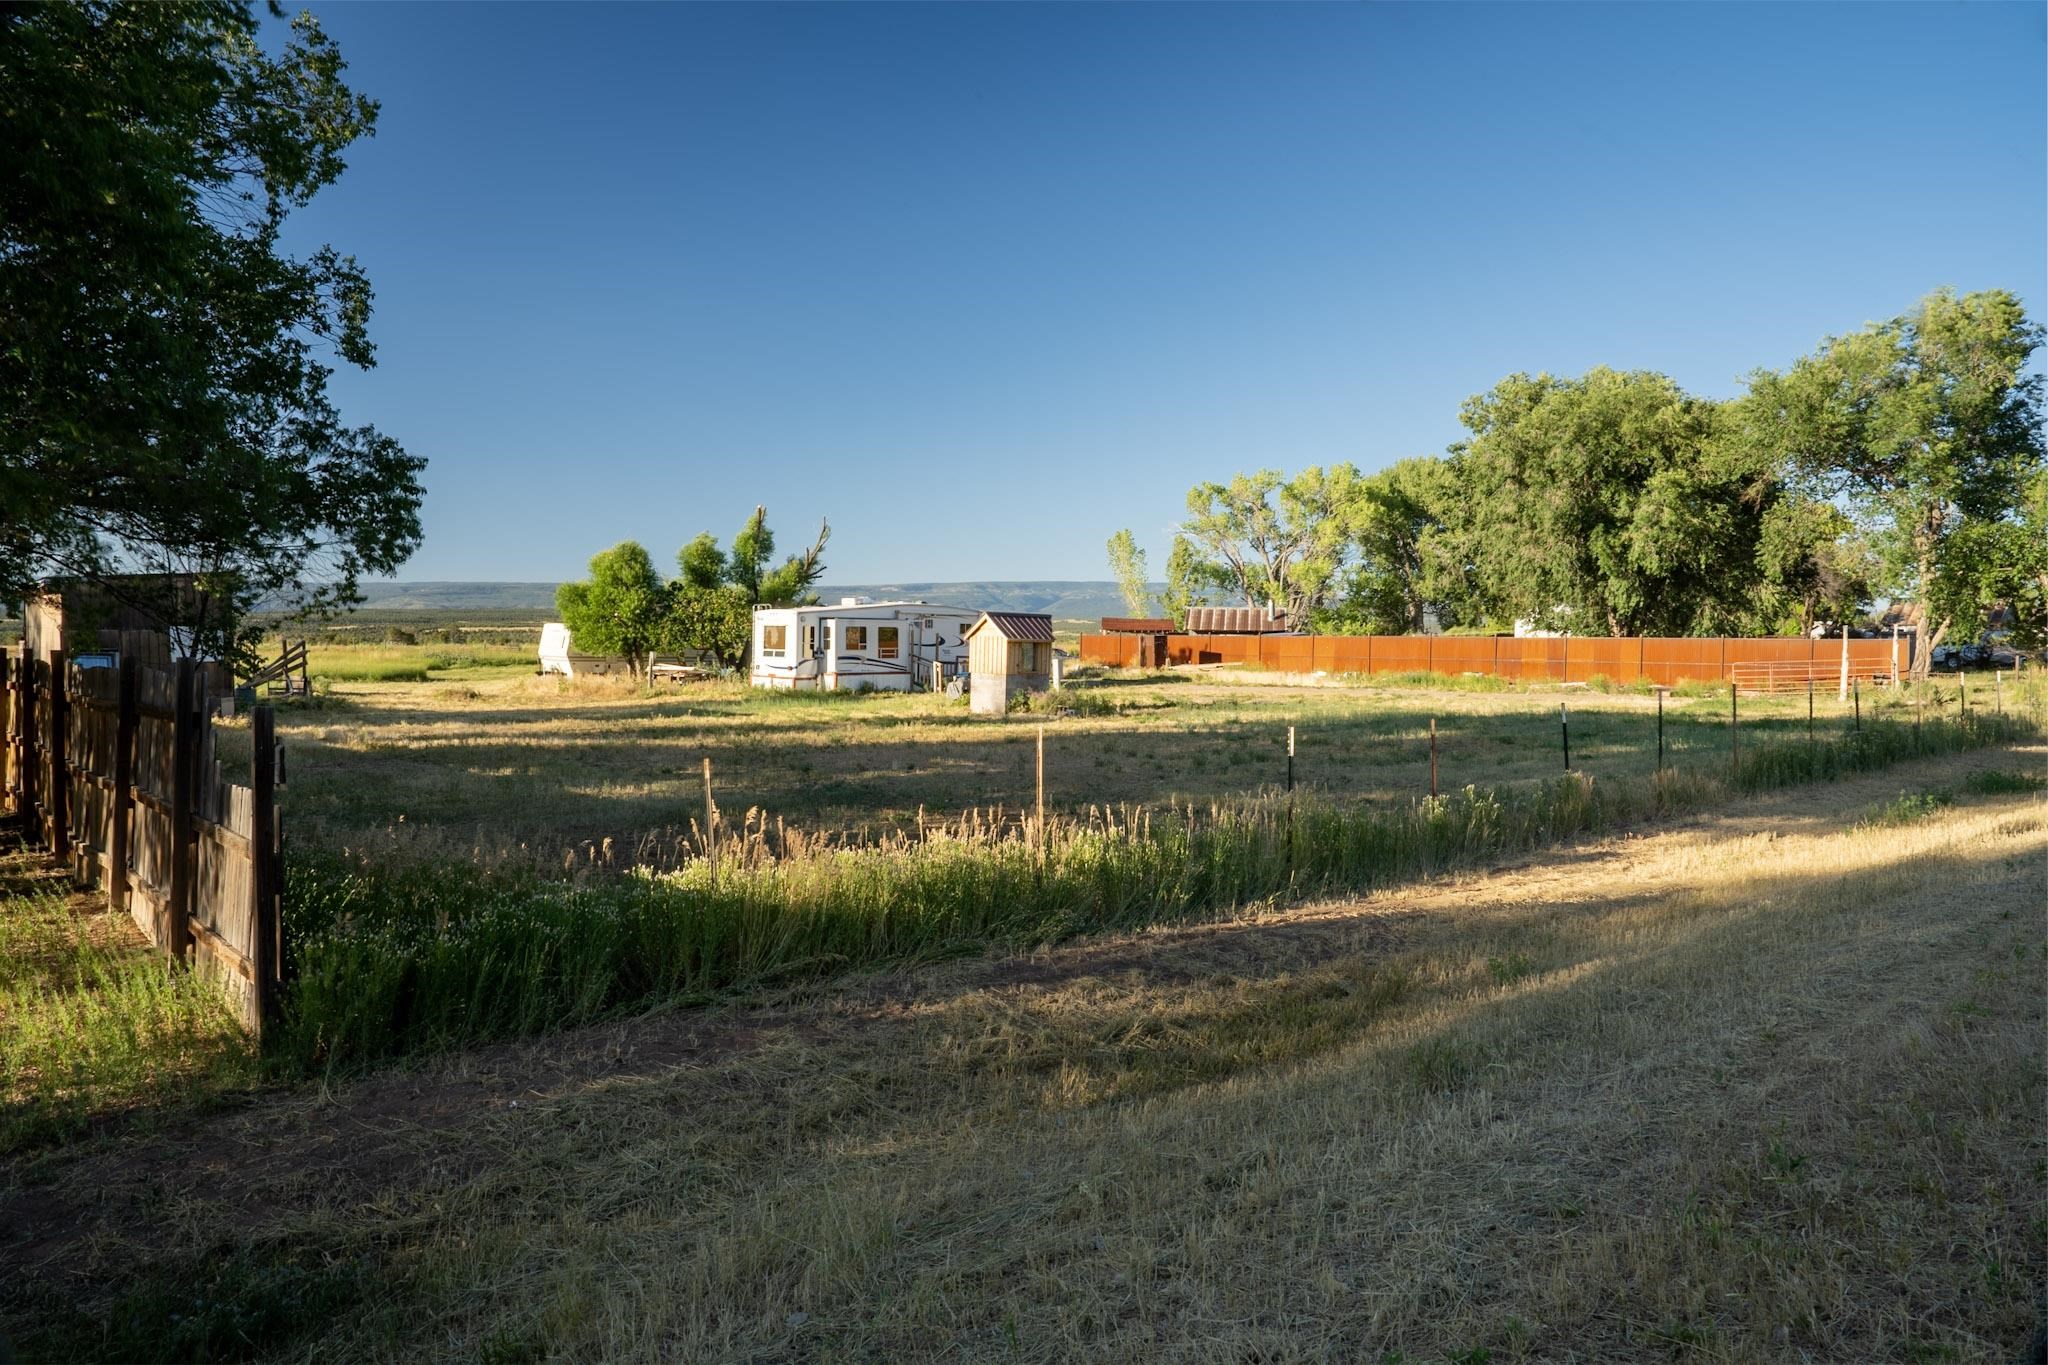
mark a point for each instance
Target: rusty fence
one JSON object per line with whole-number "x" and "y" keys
{"x": 1665, "y": 661}
{"x": 114, "y": 772}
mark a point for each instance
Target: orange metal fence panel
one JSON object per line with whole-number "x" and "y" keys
{"x": 1287, "y": 653}
{"x": 1465, "y": 654}
{"x": 1400, "y": 653}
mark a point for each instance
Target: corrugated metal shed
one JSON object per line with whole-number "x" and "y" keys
{"x": 1016, "y": 625}
{"x": 1235, "y": 621}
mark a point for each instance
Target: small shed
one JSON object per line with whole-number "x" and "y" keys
{"x": 144, "y": 616}
{"x": 1008, "y": 653}
{"x": 1151, "y": 632}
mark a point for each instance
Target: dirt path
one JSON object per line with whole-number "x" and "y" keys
{"x": 390, "y": 1159}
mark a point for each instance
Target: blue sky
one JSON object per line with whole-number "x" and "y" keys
{"x": 984, "y": 283}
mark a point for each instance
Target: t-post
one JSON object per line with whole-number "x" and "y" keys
{"x": 1660, "y": 729}
{"x": 1564, "y": 725}
{"x": 1432, "y": 757}
{"x": 1734, "y": 738}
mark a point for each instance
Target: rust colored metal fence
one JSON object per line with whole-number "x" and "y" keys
{"x": 1746, "y": 662}
{"x": 114, "y": 772}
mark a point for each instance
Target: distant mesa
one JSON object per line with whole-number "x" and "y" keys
{"x": 1063, "y": 601}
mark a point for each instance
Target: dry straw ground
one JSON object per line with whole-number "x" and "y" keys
{"x": 490, "y": 758}
{"x": 1762, "y": 1086}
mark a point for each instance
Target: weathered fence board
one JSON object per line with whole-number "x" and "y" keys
{"x": 116, "y": 772}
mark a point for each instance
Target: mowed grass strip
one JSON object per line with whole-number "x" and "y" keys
{"x": 1764, "y": 1089}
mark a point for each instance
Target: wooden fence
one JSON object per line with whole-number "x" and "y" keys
{"x": 1668, "y": 661}
{"x": 114, "y": 771}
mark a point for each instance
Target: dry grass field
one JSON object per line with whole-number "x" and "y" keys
{"x": 1762, "y": 1085}
{"x": 487, "y": 756}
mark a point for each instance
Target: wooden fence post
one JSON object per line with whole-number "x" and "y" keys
{"x": 177, "y": 936}
{"x": 710, "y": 825}
{"x": 123, "y": 804}
{"x": 263, "y": 869}
{"x": 58, "y": 828}
{"x": 25, "y": 739}
{"x": 1041, "y": 792}
{"x": 7, "y": 734}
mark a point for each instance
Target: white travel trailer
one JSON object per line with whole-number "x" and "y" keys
{"x": 897, "y": 646}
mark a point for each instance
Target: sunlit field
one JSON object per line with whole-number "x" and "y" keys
{"x": 486, "y": 754}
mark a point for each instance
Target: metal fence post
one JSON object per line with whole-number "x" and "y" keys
{"x": 1734, "y": 737}
{"x": 1432, "y": 756}
{"x": 1564, "y": 726}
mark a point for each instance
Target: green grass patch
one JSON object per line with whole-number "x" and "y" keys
{"x": 91, "y": 1022}
{"x": 2000, "y": 782}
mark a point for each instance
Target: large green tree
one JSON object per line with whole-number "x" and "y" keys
{"x": 1927, "y": 430}
{"x": 163, "y": 389}
{"x": 1607, "y": 504}
{"x": 1408, "y": 566}
{"x": 620, "y": 609}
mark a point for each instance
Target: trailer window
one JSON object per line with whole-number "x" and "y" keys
{"x": 774, "y": 640}
{"x": 885, "y": 637}
{"x": 856, "y": 639}
{"x": 810, "y": 639}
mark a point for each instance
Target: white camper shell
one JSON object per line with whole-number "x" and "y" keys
{"x": 888, "y": 646}
{"x": 559, "y": 655}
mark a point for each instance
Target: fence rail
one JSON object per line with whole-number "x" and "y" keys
{"x": 1666, "y": 661}
{"x": 114, "y": 771}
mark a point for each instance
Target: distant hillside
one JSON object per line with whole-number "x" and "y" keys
{"x": 1061, "y": 600}
{"x": 1067, "y": 601}
{"x": 459, "y": 596}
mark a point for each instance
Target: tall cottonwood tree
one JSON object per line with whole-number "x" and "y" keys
{"x": 1927, "y": 429}
{"x": 1275, "y": 541}
{"x": 1607, "y": 505}
{"x": 163, "y": 396}
{"x": 1127, "y": 566}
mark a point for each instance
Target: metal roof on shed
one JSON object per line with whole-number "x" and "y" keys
{"x": 1016, "y": 625}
